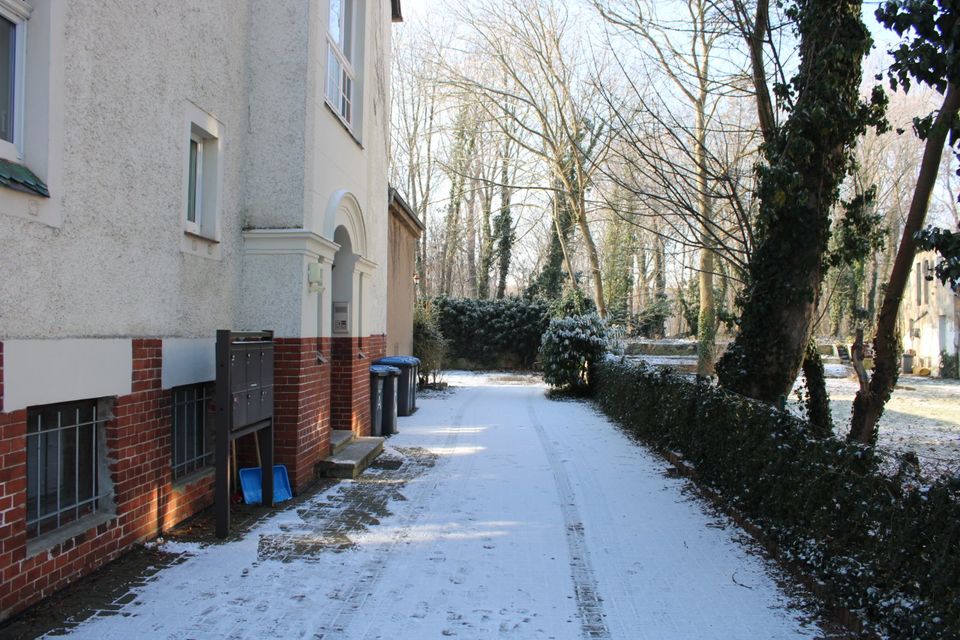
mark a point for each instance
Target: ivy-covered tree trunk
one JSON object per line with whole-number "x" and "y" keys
{"x": 460, "y": 158}
{"x": 868, "y": 404}
{"x": 818, "y": 402}
{"x": 641, "y": 295}
{"x": 618, "y": 250}
{"x": 594, "y": 259}
{"x": 659, "y": 330}
{"x": 486, "y": 242}
{"x": 504, "y": 224}
{"x": 549, "y": 282}
{"x": 470, "y": 221}
{"x": 707, "y": 318}
{"x": 799, "y": 183}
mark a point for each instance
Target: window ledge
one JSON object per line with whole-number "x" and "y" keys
{"x": 48, "y": 541}
{"x": 343, "y": 123}
{"x": 181, "y": 484}
{"x": 200, "y": 236}
{"x": 19, "y": 178}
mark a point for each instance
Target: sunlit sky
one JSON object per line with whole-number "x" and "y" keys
{"x": 414, "y": 9}
{"x": 529, "y": 229}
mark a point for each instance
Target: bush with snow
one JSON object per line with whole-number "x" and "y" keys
{"x": 569, "y": 348}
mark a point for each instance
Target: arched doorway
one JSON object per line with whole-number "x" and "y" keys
{"x": 348, "y": 376}
{"x": 344, "y": 313}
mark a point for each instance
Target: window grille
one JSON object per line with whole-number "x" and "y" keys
{"x": 192, "y": 428}
{"x": 64, "y": 446}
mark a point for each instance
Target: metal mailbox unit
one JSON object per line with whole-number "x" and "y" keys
{"x": 244, "y": 400}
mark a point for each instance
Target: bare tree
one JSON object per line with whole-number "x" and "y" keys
{"x": 416, "y": 103}
{"x": 689, "y": 177}
{"x": 542, "y": 104}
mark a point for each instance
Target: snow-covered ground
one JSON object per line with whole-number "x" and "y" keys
{"x": 923, "y": 416}
{"x": 511, "y": 516}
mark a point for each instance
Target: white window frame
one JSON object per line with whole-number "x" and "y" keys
{"x": 196, "y": 225}
{"x": 344, "y": 102}
{"x": 204, "y": 230}
{"x": 18, "y": 12}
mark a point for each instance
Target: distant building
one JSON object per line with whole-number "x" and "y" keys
{"x": 405, "y": 231}
{"x": 929, "y": 315}
{"x": 166, "y": 172}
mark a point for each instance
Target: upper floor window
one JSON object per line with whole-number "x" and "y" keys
{"x": 195, "y": 185}
{"x": 342, "y": 56}
{"x": 203, "y": 175}
{"x": 918, "y": 276}
{"x": 13, "y": 26}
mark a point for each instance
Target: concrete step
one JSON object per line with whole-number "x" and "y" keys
{"x": 350, "y": 461}
{"x": 340, "y": 438}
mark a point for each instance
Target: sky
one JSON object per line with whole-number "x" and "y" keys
{"x": 416, "y": 9}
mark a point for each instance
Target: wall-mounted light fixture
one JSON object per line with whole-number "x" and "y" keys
{"x": 315, "y": 276}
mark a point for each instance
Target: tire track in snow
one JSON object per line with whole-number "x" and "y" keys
{"x": 579, "y": 449}
{"x": 362, "y": 587}
{"x": 589, "y": 604}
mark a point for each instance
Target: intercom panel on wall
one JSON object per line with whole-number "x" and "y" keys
{"x": 341, "y": 317}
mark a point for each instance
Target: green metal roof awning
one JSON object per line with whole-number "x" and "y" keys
{"x": 18, "y": 177}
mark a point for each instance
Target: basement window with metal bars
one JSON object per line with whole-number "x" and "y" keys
{"x": 192, "y": 428}
{"x": 65, "y": 444}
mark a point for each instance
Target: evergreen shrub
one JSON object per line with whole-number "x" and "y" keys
{"x": 885, "y": 547}
{"x": 492, "y": 333}
{"x": 570, "y": 348}
{"x": 428, "y": 343}
{"x": 572, "y": 302}
{"x": 949, "y": 365}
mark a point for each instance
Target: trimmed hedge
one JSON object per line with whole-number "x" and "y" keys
{"x": 492, "y": 333}
{"x": 886, "y": 548}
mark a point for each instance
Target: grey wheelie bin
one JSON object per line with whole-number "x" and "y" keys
{"x": 407, "y": 387}
{"x": 388, "y": 413}
{"x": 378, "y": 376}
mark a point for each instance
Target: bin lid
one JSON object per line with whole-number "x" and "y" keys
{"x": 383, "y": 370}
{"x": 402, "y": 361}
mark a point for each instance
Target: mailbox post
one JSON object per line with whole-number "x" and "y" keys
{"x": 244, "y": 400}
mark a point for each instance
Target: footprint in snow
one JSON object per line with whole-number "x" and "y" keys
{"x": 422, "y": 610}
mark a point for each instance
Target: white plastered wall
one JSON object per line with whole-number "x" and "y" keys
{"x": 113, "y": 265}
{"x": 352, "y": 165}
{"x": 40, "y": 372}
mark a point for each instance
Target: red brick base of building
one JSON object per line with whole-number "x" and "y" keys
{"x": 350, "y": 382}
{"x": 319, "y": 384}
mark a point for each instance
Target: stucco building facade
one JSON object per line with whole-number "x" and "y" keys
{"x": 168, "y": 172}
{"x": 929, "y": 315}
{"x": 403, "y": 234}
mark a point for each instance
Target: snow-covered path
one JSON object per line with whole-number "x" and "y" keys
{"x": 512, "y": 516}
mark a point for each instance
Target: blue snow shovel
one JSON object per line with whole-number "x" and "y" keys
{"x": 250, "y": 482}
